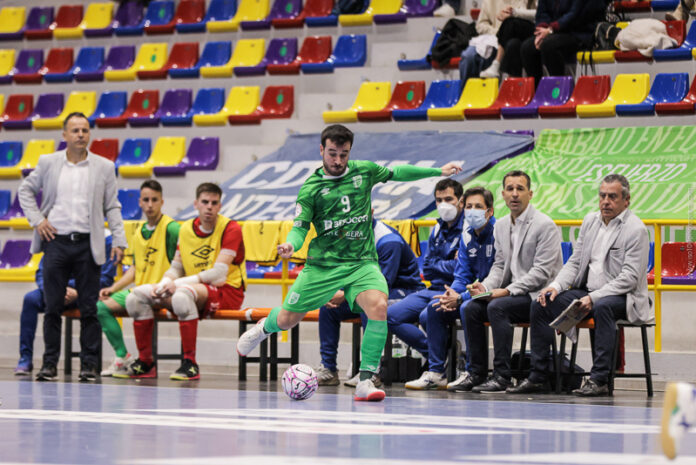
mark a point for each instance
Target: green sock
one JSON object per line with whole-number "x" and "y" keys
{"x": 111, "y": 329}
{"x": 271, "y": 323}
{"x": 372, "y": 345}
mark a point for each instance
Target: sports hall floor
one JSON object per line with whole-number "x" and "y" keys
{"x": 218, "y": 420}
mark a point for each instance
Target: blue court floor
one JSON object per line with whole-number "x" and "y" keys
{"x": 127, "y": 423}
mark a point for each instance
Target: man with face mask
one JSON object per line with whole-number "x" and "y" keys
{"x": 438, "y": 267}
{"x": 473, "y": 263}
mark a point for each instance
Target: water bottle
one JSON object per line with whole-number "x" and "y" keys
{"x": 398, "y": 348}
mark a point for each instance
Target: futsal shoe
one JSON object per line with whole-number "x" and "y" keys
{"x": 24, "y": 367}
{"x": 47, "y": 373}
{"x": 592, "y": 389}
{"x": 88, "y": 373}
{"x": 495, "y": 383}
{"x": 326, "y": 377}
{"x": 119, "y": 365}
{"x": 186, "y": 372}
{"x": 366, "y": 391}
{"x": 465, "y": 382}
{"x": 251, "y": 338}
{"x": 352, "y": 382}
{"x": 678, "y": 414}
{"x": 428, "y": 380}
{"x": 138, "y": 369}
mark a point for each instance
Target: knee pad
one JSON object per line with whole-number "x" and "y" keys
{"x": 184, "y": 303}
{"x": 137, "y": 307}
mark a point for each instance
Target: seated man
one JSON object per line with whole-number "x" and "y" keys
{"x": 527, "y": 256}
{"x": 438, "y": 266}
{"x": 195, "y": 285}
{"x": 400, "y": 269}
{"x": 607, "y": 273}
{"x": 473, "y": 263}
{"x": 154, "y": 246}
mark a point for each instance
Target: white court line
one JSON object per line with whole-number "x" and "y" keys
{"x": 595, "y": 458}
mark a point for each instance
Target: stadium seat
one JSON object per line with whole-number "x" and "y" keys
{"x": 2, "y": 106}
{"x": 317, "y": 13}
{"x": 242, "y": 100}
{"x": 34, "y": 149}
{"x": 133, "y": 152}
{"x": 406, "y": 95}
{"x": 663, "y": 5}
{"x": 5, "y": 202}
{"x": 130, "y": 204}
{"x": 633, "y": 6}
{"x": 627, "y": 88}
{"x": 89, "y": 64}
{"x": 151, "y": 57}
{"x": 189, "y": 16}
{"x": 477, "y": 93}
{"x": 203, "y": 154}
{"x": 129, "y": 19}
{"x": 15, "y": 254}
{"x": 684, "y": 107}
{"x": 588, "y": 90}
{"x": 315, "y": 49}
{"x": 514, "y": 93}
{"x": 350, "y": 50}
{"x": 159, "y": 18}
{"x": 17, "y": 111}
{"x": 143, "y": 103}
{"x": 7, "y": 61}
{"x": 220, "y": 10}
{"x": 67, "y": 22}
{"x": 120, "y": 58}
{"x": 441, "y": 94}
{"x": 247, "y": 10}
{"x": 277, "y": 102}
{"x": 675, "y": 29}
{"x": 683, "y": 52}
{"x": 47, "y": 106}
{"x": 678, "y": 262}
{"x": 26, "y": 70}
{"x": 215, "y": 55}
{"x": 666, "y": 88}
{"x": 176, "y": 104}
{"x": 371, "y": 96}
{"x": 248, "y": 52}
{"x": 12, "y": 22}
{"x": 84, "y": 102}
{"x": 419, "y": 63}
{"x": 280, "y": 9}
{"x": 58, "y": 65}
{"x": 420, "y": 8}
{"x": 376, "y": 7}
{"x": 566, "y": 250}
{"x": 279, "y": 52}
{"x": 111, "y": 104}
{"x": 289, "y": 14}
{"x": 168, "y": 151}
{"x": 98, "y": 20}
{"x": 38, "y": 23}
{"x": 10, "y": 153}
{"x": 207, "y": 101}
{"x": 107, "y": 148}
{"x": 14, "y": 216}
{"x": 181, "y": 63}
{"x": 552, "y": 90}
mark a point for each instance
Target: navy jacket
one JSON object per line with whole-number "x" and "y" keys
{"x": 440, "y": 260}
{"x": 396, "y": 259}
{"x": 576, "y": 17}
{"x": 476, "y": 256}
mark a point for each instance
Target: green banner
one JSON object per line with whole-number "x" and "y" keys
{"x": 567, "y": 166}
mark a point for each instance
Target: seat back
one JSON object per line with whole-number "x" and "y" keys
{"x": 629, "y": 88}
{"x": 111, "y": 104}
{"x": 566, "y": 250}
{"x": 242, "y": 100}
{"x": 5, "y": 202}
{"x": 553, "y": 90}
{"x": 39, "y": 18}
{"x": 18, "y": 107}
{"x": 59, "y": 60}
{"x": 221, "y": 10}
{"x": 407, "y": 95}
{"x": 590, "y": 90}
{"x": 248, "y": 52}
{"x": 651, "y": 257}
{"x": 130, "y": 204}
{"x": 385, "y": 7}
{"x": 159, "y": 12}
{"x": 29, "y": 61}
{"x": 10, "y": 153}
{"x": 134, "y": 152}
{"x": 168, "y": 151}
{"x": 12, "y": 19}
{"x": 35, "y": 148}
{"x": 15, "y": 254}
{"x": 208, "y": 101}
{"x": 678, "y": 258}
{"x": 89, "y": 59}
{"x": 68, "y": 16}
{"x": 442, "y": 94}
{"x": 120, "y": 57}
{"x": 190, "y": 11}
{"x": 676, "y": 30}
{"x": 669, "y": 88}
{"x": 184, "y": 55}
{"x": 129, "y": 13}
{"x": 98, "y": 16}
{"x": 478, "y": 93}
{"x": 252, "y": 10}
{"x": 107, "y": 148}
{"x": 281, "y": 51}
{"x": 143, "y": 103}
{"x": 318, "y": 8}
{"x": 48, "y": 106}
{"x": 83, "y": 102}
{"x": 372, "y": 96}
{"x": 278, "y": 102}
{"x": 420, "y": 7}
{"x": 176, "y": 102}
{"x": 350, "y": 50}
{"x": 315, "y": 49}
{"x": 203, "y": 153}
{"x": 215, "y": 54}
{"x": 151, "y": 56}
{"x": 515, "y": 92}
{"x": 285, "y": 9}
{"x": 7, "y": 61}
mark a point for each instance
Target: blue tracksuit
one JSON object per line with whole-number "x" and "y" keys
{"x": 438, "y": 268}
{"x": 400, "y": 269}
{"x": 475, "y": 259}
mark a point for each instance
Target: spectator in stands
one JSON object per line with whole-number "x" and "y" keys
{"x": 473, "y": 263}
{"x": 607, "y": 274}
{"x": 154, "y": 246}
{"x": 682, "y": 12}
{"x": 34, "y": 304}
{"x": 527, "y": 257}
{"x": 438, "y": 267}
{"x": 400, "y": 269}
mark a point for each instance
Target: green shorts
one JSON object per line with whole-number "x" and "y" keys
{"x": 120, "y": 297}
{"x": 316, "y": 285}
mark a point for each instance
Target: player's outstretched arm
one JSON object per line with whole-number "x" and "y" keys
{"x": 414, "y": 173}
{"x": 286, "y": 250}
{"x": 451, "y": 169}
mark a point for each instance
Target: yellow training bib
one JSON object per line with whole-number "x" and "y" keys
{"x": 151, "y": 260}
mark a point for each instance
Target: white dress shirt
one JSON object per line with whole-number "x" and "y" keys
{"x": 70, "y": 213}
{"x": 515, "y": 230}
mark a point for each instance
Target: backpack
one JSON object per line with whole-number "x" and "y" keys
{"x": 603, "y": 38}
{"x": 454, "y": 38}
{"x": 567, "y": 381}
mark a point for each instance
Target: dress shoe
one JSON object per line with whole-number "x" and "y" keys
{"x": 527, "y": 387}
{"x": 495, "y": 383}
{"x": 592, "y": 389}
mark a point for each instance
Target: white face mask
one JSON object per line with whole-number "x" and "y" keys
{"x": 475, "y": 217}
{"x": 447, "y": 211}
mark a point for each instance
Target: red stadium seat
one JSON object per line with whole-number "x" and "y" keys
{"x": 514, "y": 92}
{"x": 184, "y": 55}
{"x": 59, "y": 60}
{"x": 407, "y": 95}
{"x": 685, "y": 107}
{"x": 142, "y": 103}
{"x": 315, "y": 49}
{"x": 277, "y": 102}
{"x": 675, "y": 29}
{"x": 588, "y": 90}
{"x": 18, "y": 108}
{"x": 107, "y": 148}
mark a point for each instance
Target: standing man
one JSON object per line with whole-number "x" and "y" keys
{"x": 336, "y": 199}
{"x": 79, "y": 190}
{"x": 153, "y": 245}
{"x": 607, "y": 274}
{"x": 527, "y": 256}
{"x": 205, "y": 275}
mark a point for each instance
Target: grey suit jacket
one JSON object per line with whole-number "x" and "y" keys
{"x": 103, "y": 200}
{"x": 625, "y": 264}
{"x": 538, "y": 253}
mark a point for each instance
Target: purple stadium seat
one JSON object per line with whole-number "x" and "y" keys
{"x": 176, "y": 102}
{"x": 552, "y": 91}
{"x": 119, "y": 57}
{"x": 27, "y": 66}
{"x": 279, "y": 52}
{"x": 38, "y": 22}
{"x": 203, "y": 154}
{"x": 15, "y": 210}
{"x": 129, "y": 18}
{"x": 47, "y": 106}
{"x": 280, "y": 9}
{"x": 15, "y": 254}
{"x": 415, "y": 8}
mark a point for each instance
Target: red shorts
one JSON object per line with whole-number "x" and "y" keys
{"x": 226, "y": 297}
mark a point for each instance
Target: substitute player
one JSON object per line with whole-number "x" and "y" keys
{"x": 205, "y": 275}
{"x": 154, "y": 246}
{"x": 336, "y": 199}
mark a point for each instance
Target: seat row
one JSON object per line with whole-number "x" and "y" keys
{"x": 242, "y": 106}
{"x": 151, "y": 62}
{"x": 136, "y": 157}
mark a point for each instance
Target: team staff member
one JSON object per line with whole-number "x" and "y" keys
{"x": 205, "y": 275}
{"x": 153, "y": 245}
{"x": 79, "y": 190}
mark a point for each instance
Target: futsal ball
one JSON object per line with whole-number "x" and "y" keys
{"x": 299, "y": 382}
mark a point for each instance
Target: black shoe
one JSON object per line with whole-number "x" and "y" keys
{"x": 88, "y": 373}
{"x": 527, "y": 387}
{"x": 138, "y": 369}
{"x": 495, "y": 383}
{"x": 47, "y": 373}
{"x": 592, "y": 389}
{"x": 187, "y": 371}
{"x": 465, "y": 382}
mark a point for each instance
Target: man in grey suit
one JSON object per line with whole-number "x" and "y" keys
{"x": 527, "y": 256}
{"x": 79, "y": 190}
{"x": 607, "y": 274}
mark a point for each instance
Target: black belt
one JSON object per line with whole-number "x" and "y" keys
{"x": 73, "y": 237}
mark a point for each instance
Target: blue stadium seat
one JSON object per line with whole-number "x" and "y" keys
{"x": 207, "y": 101}
{"x": 134, "y": 152}
{"x": 350, "y": 51}
{"x": 10, "y": 153}
{"x": 419, "y": 63}
{"x": 680, "y": 53}
{"x": 159, "y": 17}
{"x": 441, "y": 94}
{"x": 5, "y": 202}
{"x": 88, "y": 64}
{"x": 220, "y": 10}
{"x": 111, "y": 104}
{"x": 651, "y": 257}
{"x": 130, "y": 204}
{"x": 664, "y": 5}
{"x": 566, "y": 250}
{"x": 666, "y": 88}
{"x": 214, "y": 54}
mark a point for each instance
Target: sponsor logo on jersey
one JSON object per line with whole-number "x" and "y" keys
{"x": 294, "y": 297}
{"x": 357, "y": 181}
{"x": 473, "y": 252}
{"x": 328, "y": 224}
{"x": 351, "y": 220}
{"x": 203, "y": 252}
{"x": 325, "y": 191}
{"x": 353, "y": 234}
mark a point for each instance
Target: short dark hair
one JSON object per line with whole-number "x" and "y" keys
{"x": 621, "y": 179}
{"x": 208, "y": 187}
{"x": 482, "y": 191}
{"x": 74, "y": 114}
{"x": 338, "y": 134}
{"x": 517, "y": 174}
{"x": 151, "y": 184}
{"x": 444, "y": 184}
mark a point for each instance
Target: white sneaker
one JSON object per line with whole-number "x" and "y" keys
{"x": 366, "y": 391}
{"x": 678, "y": 415}
{"x": 428, "y": 380}
{"x": 251, "y": 338}
{"x": 119, "y": 365}
{"x": 493, "y": 71}
{"x": 445, "y": 11}
{"x": 352, "y": 382}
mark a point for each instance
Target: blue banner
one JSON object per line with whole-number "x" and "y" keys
{"x": 267, "y": 189}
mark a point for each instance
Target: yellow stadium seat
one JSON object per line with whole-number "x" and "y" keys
{"x": 242, "y": 100}
{"x": 372, "y": 96}
{"x": 168, "y": 151}
{"x": 248, "y": 52}
{"x": 627, "y": 89}
{"x": 2, "y": 102}
{"x": 27, "y": 273}
{"x": 598, "y": 56}
{"x": 150, "y": 57}
{"x": 247, "y": 10}
{"x": 693, "y": 54}
{"x": 377, "y": 7}
{"x": 35, "y": 148}
{"x": 84, "y": 102}
{"x": 7, "y": 61}
{"x": 12, "y": 19}
{"x": 98, "y": 16}
{"x": 477, "y": 93}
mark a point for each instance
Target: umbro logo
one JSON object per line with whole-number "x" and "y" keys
{"x": 203, "y": 252}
